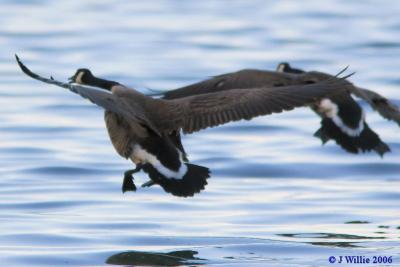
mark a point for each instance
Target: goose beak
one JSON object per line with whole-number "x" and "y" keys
{"x": 71, "y": 79}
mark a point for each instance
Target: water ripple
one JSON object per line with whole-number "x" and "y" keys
{"x": 276, "y": 196}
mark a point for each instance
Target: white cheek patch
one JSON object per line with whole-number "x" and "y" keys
{"x": 280, "y": 68}
{"x": 140, "y": 155}
{"x": 79, "y": 78}
{"x": 331, "y": 110}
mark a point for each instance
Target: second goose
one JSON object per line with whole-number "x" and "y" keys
{"x": 342, "y": 119}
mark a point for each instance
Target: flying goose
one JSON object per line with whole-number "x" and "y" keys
{"x": 343, "y": 120}
{"x": 381, "y": 104}
{"x": 140, "y": 127}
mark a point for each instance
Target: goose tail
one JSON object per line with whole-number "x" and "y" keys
{"x": 366, "y": 141}
{"x": 191, "y": 183}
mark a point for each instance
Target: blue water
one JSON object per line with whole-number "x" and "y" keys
{"x": 276, "y": 196}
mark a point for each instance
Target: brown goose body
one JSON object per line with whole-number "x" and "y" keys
{"x": 140, "y": 127}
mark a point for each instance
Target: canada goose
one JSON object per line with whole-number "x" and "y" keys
{"x": 382, "y": 105}
{"x": 343, "y": 119}
{"x": 139, "y": 126}
{"x": 345, "y": 123}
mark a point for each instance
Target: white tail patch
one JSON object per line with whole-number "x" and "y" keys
{"x": 331, "y": 110}
{"x": 140, "y": 155}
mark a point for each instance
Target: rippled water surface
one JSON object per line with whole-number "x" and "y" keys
{"x": 276, "y": 197}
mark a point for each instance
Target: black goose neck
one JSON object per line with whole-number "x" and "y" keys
{"x": 102, "y": 83}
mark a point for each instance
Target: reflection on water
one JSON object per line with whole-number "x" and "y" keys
{"x": 329, "y": 236}
{"x": 337, "y": 244}
{"x": 357, "y": 222}
{"x": 175, "y": 258}
{"x": 276, "y": 196}
{"x": 330, "y": 239}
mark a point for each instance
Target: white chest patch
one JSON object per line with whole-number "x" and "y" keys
{"x": 140, "y": 155}
{"x": 331, "y": 110}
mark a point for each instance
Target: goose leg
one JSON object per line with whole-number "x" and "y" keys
{"x": 153, "y": 175}
{"x": 127, "y": 184}
{"x": 148, "y": 183}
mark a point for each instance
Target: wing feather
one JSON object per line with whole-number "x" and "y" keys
{"x": 381, "y": 104}
{"x": 201, "y": 111}
{"x": 247, "y": 78}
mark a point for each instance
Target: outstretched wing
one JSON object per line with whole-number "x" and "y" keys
{"x": 105, "y": 99}
{"x": 381, "y": 104}
{"x": 198, "y": 112}
{"x": 247, "y": 78}
{"x": 206, "y": 110}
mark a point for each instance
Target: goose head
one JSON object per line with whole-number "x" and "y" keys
{"x": 82, "y": 76}
{"x": 283, "y": 67}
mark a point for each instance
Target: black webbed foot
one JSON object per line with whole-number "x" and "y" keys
{"x": 128, "y": 184}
